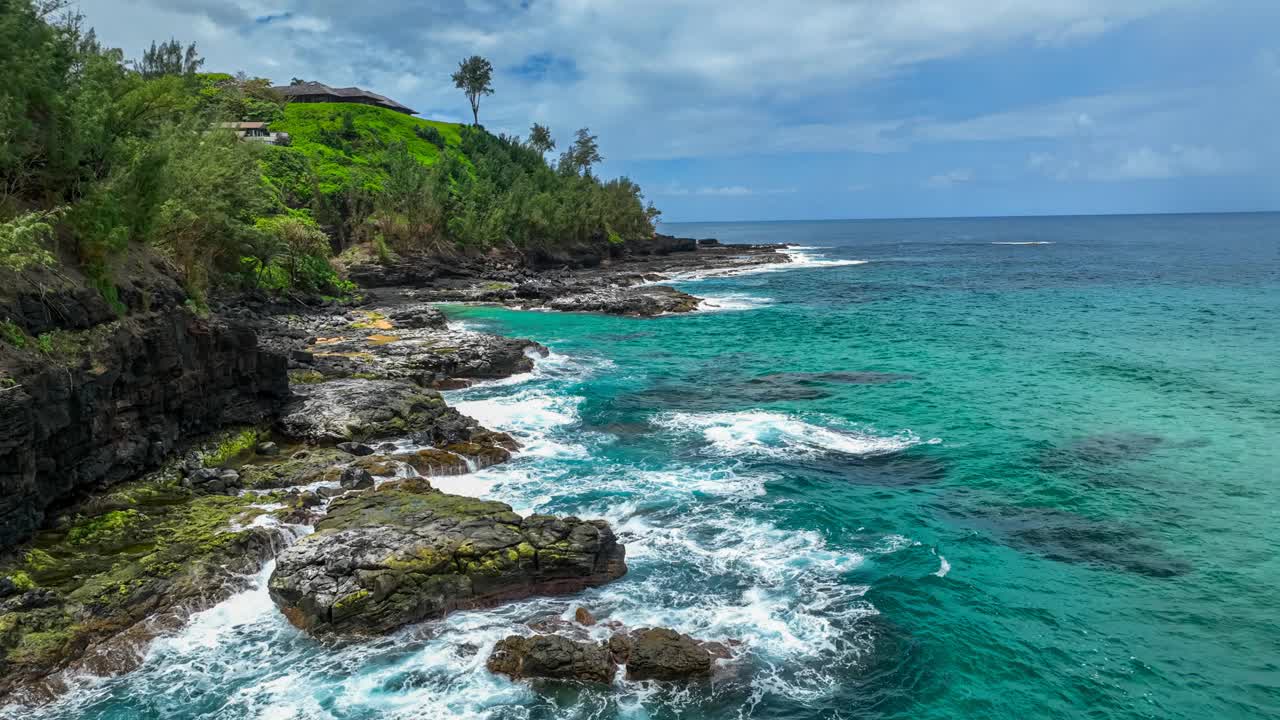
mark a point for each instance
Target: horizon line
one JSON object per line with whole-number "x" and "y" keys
{"x": 978, "y": 217}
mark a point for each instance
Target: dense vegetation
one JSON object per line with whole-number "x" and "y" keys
{"x": 98, "y": 153}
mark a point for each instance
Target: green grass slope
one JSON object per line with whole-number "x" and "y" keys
{"x": 316, "y": 128}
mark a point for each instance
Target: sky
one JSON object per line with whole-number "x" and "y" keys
{"x": 813, "y": 109}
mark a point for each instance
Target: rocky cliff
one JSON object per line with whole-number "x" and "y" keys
{"x": 89, "y": 397}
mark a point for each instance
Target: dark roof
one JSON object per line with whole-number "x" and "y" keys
{"x": 315, "y": 88}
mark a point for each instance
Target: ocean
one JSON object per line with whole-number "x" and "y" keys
{"x": 980, "y": 468}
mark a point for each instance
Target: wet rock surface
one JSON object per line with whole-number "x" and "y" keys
{"x": 614, "y": 280}
{"x": 124, "y": 567}
{"x": 405, "y": 552}
{"x": 552, "y": 657}
{"x": 645, "y": 653}
{"x": 398, "y": 337}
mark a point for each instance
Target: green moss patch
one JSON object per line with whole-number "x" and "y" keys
{"x": 125, "y": 554}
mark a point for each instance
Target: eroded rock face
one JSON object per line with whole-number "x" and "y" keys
{"x": 357, "y": 409}
{"x": 645, "y": 301}
{"x": 406, "y": 552}
{"x": 552, "y": 656}
{"x": 647, "y": 653}
{"x": 664, "y": 654}
{"x": 133, "y": 393}
{"x": 91, "y": 593}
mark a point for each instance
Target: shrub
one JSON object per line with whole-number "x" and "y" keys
{"x": 12, "y": 333}
{"x": 24, "y": 240}
{"x": 431, "y": 134}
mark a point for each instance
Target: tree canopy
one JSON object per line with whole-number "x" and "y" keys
{"x": 474, "y": 77}
{"x": 540, "y": 138}
{"x": 580, "y": 156}
{"x": 98, "y": 154}
{"x": 169, "y": 58}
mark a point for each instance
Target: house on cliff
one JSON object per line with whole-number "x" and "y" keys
{"x": 255, "y": 132}
{"x": 319, "y": 92}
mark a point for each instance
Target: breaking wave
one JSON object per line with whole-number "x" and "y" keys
{"x": 772, "y": 434}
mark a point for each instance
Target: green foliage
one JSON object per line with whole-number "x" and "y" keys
{"x": 474, "y": 78}
{"x": 208, "y": 216}
{"x": 231, "y": 98}
{"x": 169, "y": 58}
{"x": 98, "y": 154}
{"x": 295, "y": 256}
{"x": 580, "y": 156}
{"x": 25, "y": 240}
{"x": 540, "y": 138}
{"x": 431, "y": 134}
{"x": 12, "y": 333}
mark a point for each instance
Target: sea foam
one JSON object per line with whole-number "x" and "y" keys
{"x": 772, "y": 434}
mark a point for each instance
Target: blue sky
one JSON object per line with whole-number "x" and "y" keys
{"x": 749, "y": 110}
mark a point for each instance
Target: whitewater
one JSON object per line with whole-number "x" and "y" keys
{"x": 896, "y": 477}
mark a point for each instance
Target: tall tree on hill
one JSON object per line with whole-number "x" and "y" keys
{"x": 474, "y": 77}
{"x": 169, "y": 58}
{"x": 580, "y": 156}
{"x": 540, "y": 138}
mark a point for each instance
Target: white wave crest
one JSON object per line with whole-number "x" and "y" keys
{"x": 732, "y": 301}
{"x": 801, "y": 257}
{"x": 1029, "y": 242}
{"x": 771, "y": 434}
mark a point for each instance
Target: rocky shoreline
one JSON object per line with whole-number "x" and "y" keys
{"x": 347, "y": 450}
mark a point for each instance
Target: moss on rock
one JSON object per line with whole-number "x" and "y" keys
{"x": 148, "y": 545}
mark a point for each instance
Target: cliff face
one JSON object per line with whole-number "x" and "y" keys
{"x": 97, "y": 401}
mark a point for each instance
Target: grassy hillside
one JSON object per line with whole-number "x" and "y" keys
{"x": 100, "y": 157}
{"x": 338, "y": 149}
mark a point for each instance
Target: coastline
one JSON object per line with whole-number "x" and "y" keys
{"x": 346, "y": 367}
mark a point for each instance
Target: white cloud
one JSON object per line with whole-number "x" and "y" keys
{"x": 949, "y": 179}
{"x": 662, "y": 79}
{"x": 1139, "y": 163}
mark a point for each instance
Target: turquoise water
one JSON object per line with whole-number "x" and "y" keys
{"x": 917, "y": 475}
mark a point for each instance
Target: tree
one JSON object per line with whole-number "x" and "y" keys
{"x": 473, "y": 78}
{"x": 580, "y": 156}
{"x": 297, "y": 81}
{"x": 540, "y": 138}
{"x": 169, "y": 59}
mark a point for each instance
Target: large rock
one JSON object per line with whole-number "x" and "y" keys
{"x": 406, "y": 552}
{"x": 662, "y": 654}
{"x": 360, "y": 410}
{"x": 117, "y": 399}
{"x": 647, "y": 653}
{"x": 644, "y": 301}
{"x": 552, "y": 656}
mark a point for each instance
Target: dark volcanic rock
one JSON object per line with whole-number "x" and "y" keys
{"x": 354, "y": 478}
{"x": 552, "y": 656}
{"x": 645, "y": 301}
{"x": 135, "y": 391}
{"x": 406, "y": 552}
{"x": 355, "y": 409}
{"x": 661, "y": 244}
{"x": 663, "y": 654}
{"x": 647, "y": 653}
{"x": 355, "y": 448}
{"x": 126, "y": 566}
